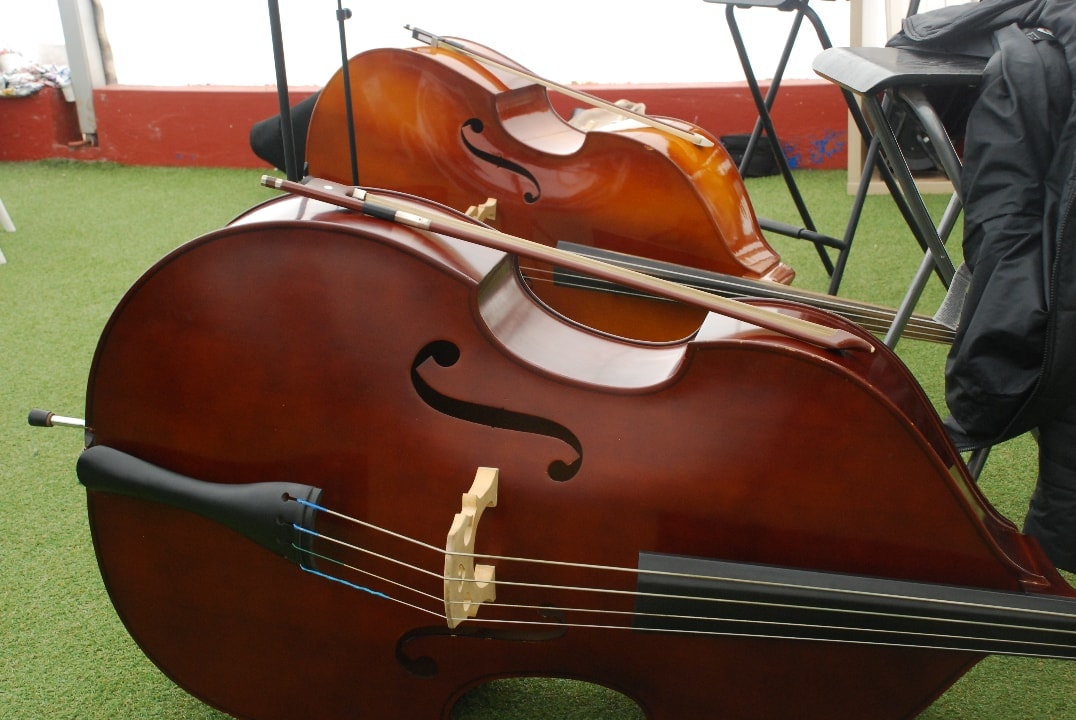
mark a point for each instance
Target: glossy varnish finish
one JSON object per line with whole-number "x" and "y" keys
{"x": 441, "y": 126}
{"x": 306, "y": 344}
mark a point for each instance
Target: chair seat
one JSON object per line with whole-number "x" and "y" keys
{"x": 779, "y": 4}
{"x": 868, "y": 70}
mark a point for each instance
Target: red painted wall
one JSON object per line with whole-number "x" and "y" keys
{"x": 810, "y": 116}
{"x": 209, "y": 126}
{"x": 36, "y": 127}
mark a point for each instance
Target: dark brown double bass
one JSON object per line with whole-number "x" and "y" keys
{"x": 341, "y": 467}
{"x": 457, "y": 123}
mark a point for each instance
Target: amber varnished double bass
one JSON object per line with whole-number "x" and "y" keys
{"x": 340, "y": 467}
{"x": 444, "y": 125}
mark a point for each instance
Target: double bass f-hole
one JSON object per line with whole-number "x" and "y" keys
{"x": 416, "y": 648}
{"x": 447, "y": 354}
{"x": 478, "y": 127}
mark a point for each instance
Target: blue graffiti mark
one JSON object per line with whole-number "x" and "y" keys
{"x": 794, "y": 158}
{"x": 813, "y": 150}
{"x": 831, "y": 143}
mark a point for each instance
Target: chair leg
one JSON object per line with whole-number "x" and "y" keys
{"x": 5, "y": 222}
{"x": 5, "y": 219}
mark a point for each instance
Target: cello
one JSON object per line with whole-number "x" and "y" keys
{"x": 457, "y": 123}
{"x": 342, "y": 467}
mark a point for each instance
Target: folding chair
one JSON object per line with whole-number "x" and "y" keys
{"x": 764, "y": 124}
{"x": 891, "y": 82}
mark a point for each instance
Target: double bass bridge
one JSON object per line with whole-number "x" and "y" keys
{"x": 467, "y": 584}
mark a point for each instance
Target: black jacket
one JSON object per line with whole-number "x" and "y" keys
{"x": 1013, "y": 362}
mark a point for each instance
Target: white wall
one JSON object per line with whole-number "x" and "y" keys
{"x": 226, "y": 42}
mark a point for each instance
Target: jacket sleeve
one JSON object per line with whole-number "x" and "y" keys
{"x": 1010, "y": 146}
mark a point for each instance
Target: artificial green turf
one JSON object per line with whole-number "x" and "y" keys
{"x": 85, "y": 234}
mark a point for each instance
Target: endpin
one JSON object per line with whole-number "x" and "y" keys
{"x": 44, "y": 418}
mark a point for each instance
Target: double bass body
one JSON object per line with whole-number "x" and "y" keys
{"x": 441, "y": 126}
{"x": 384, "y": 365}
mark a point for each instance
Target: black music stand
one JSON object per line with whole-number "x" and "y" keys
{"x": 292, "y": 167}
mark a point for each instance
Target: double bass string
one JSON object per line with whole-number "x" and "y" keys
{"x": 875, "y": 636}
{"x": 383, "y": 208}
{"x": 759, "y": 623}
{"x": 363, "y": 588}
{"x": 874, "y": 318}
{"x": 675, "y": 285}
{"x": 1012, "y": 608}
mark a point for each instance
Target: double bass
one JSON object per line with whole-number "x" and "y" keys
{"x": 457, "y": 123}
{"x": 342, "y": 462}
